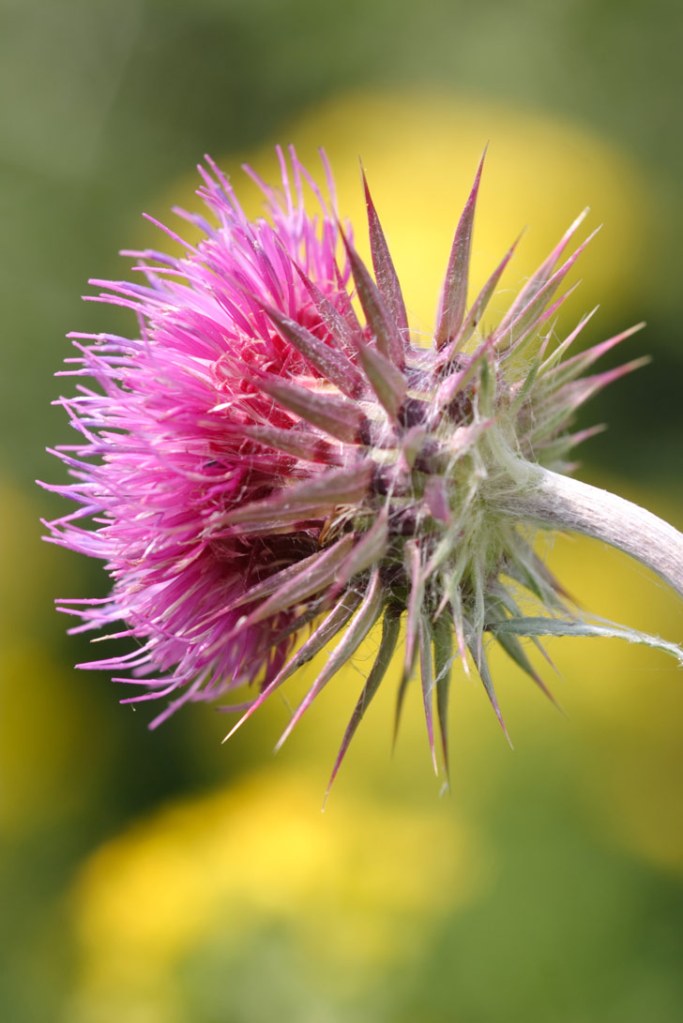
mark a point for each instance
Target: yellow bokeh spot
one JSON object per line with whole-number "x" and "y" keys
{"x": 354, "y": 888}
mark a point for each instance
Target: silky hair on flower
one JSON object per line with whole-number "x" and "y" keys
{"x": 273, "y": 465}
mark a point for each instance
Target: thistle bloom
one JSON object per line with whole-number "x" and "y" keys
{"x": 275, "y": 458}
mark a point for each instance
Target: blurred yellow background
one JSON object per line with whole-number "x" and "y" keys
{"x": 165, "y": 878}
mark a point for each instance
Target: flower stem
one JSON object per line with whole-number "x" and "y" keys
{"x": 571, "y": 505}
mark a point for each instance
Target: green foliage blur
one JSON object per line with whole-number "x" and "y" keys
{"x": 165, "y": 878}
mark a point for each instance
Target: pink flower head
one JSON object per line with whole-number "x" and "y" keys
{"x": 264, "y": 463}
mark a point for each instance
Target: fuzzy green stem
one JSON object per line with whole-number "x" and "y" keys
{"x": 561, "y": 502}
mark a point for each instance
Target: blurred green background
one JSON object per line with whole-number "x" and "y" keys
{"x": 164, "y": 878}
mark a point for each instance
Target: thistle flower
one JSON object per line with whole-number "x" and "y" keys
{"x": 276, "y": 459}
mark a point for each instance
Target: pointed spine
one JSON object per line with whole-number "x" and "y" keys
{"x": 387, "y": 382}
{"x": 390, "y": 633}
{"x": 330, "y": 626}
{"x": 427, "y": 679}
{"x": 453, "y": 301}
{"x": 304, "y": 500}
{"x": 334, "y": 415}
{"x": 385, "y": 272}
{"x": 478, "y": 307}
{"x": 443, "y": 663}
{"x": 366, "y": 616}
{"x": 378, "y": 317}
{"x": 540, "y": 277}
{"x": 331, "y": 363}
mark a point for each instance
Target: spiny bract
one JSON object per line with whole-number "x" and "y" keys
{"x": 275, "y": 453}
